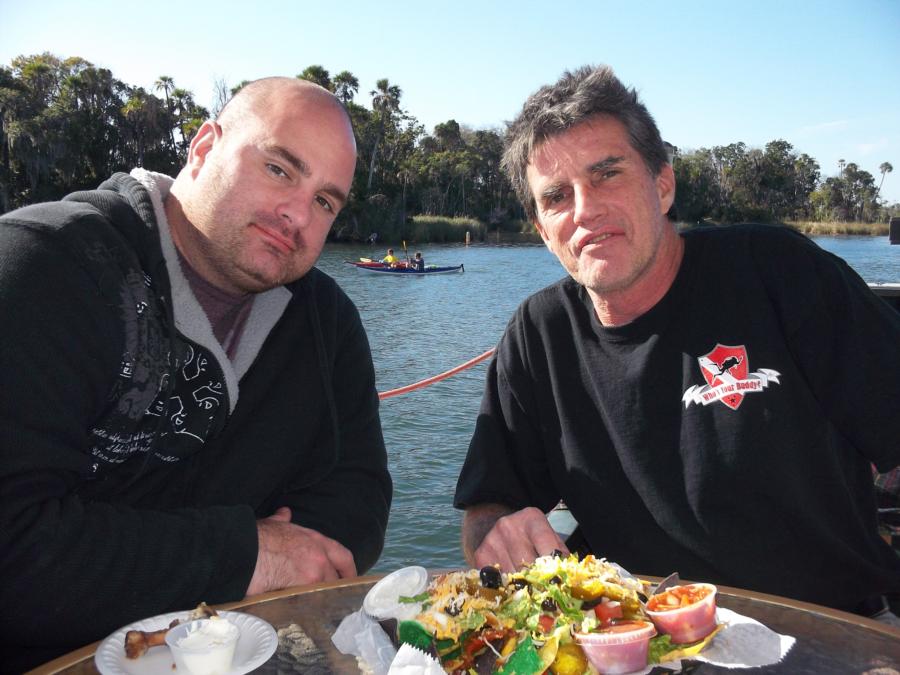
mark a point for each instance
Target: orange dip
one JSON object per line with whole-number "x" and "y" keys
{"x": 677, "y": 597}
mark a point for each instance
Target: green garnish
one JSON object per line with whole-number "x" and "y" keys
{"x": 525, "y": 660}
{"x": 659, "y": 646}
{"x": 421, "y": 597}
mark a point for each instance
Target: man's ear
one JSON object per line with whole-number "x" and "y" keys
{"x": 204, "y": 140}
{"x": 665, "y": 188}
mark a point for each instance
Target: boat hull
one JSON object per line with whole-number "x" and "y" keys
{"x": 381, "y": 268}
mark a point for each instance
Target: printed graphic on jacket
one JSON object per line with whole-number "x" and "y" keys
{"x": 728, "y": 378}
{"x": 168, "y": 397}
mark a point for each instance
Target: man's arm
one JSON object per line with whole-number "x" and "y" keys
{"x": 350, "y": 504}
{"x": 494, "y": 534}
{"x": 844, "y": 338}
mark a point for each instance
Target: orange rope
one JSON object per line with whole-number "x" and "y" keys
{"x": 436, "y": 378}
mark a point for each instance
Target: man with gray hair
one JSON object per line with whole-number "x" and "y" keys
{"x": 189, "y": 406}
{"x": 695, "y": 398}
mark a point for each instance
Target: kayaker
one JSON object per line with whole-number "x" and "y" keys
{"x": 705, "y": 402}
{"x": 390, "y": 258}
{"x": 418, "y": 262}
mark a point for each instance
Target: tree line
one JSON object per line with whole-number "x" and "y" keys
{"x": 66, "y": 125}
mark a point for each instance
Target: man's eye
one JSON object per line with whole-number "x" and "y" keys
{"x": 276, "y": 170}
{"x": 556, "y": 198}
{"x": 610, "y": 173}
{"x": 325, "y": 204}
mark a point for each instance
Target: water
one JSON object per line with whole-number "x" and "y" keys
{"x": 876, "y": 260}
{"x": 422, "y": 326}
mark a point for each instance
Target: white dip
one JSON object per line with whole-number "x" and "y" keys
{"x": 207, "y": 648}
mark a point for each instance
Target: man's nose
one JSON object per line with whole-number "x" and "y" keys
{"x": 589, "y": 205}
{"x": 295, "y": 209}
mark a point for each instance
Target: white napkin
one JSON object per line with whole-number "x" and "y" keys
{"x": 360, "y": 635}
{"x": 412, "y": 661}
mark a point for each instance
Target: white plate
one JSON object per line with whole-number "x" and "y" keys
{"x": 257, "y": 643}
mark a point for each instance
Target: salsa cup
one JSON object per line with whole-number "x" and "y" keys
{"x": 619, "y": 648}
{"x": 685, "y": 622}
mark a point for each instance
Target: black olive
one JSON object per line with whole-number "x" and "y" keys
{"x": 490, "y": 577}
{"x": 452, "y": 609}
{"x": 519, "y": 583}
{"x": 555, "y": 580}
{"x": 548, "y": 605}
{"x": 558, "y": 554}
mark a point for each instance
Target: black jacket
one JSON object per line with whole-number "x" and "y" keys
{"x": 135, "y": 457}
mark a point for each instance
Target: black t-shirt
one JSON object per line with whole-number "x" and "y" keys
{"x": 726, "y": 434}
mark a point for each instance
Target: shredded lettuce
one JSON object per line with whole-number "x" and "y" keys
{"x": 659, "y": 646}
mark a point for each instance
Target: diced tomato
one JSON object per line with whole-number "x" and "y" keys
{"x": 677, "y": 597}
{"x": 607, "y": 611}
{"x": 476, "y": 642}
{"x": 546, "y": 622}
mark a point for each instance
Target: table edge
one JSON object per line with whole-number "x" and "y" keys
{"x": 88, "y": 651}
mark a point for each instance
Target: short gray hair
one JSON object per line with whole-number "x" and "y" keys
{"x": 576, "y": 97}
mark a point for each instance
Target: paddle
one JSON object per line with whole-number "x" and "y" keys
{"x": 407, "y": 254}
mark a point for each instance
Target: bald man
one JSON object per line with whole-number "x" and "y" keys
{"x": 188, "y": 406}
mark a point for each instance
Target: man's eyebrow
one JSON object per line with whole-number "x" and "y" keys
{"x": 290, "y": 158}
{"x": 604, "y": 164}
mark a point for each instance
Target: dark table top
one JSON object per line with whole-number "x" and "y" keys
{"x": 828, "y": 641}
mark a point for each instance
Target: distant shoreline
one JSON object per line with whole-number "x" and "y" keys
{"x": 480, "y": 235}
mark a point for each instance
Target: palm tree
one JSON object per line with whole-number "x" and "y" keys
{"x": 385, "y": 103}
{"x": 317, "y": 75}
{"x": 841, "y": 164}
{"x": 345, "y": 86}
{"x": 885, "y": 168}
{"x": 167, "y": 85}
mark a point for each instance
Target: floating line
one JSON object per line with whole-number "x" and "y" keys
{"x": 437, "y": 378}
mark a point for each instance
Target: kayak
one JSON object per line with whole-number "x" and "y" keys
{"x": 403, "y": 269}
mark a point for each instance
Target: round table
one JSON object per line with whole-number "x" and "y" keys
{"x": 828, "y": 641}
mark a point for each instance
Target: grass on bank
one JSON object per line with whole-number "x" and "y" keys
{"x": 834, "y": 228}
{"x": 443, "y": 229}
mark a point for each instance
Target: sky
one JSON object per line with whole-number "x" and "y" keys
{"x": 824, "y": 75}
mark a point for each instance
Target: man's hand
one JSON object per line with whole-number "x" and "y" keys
{"x": 493, "y": 534}
{"x": 290, "y": 555}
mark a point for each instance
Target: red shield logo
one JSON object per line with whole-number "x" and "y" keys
{"x": 726, "y": 366}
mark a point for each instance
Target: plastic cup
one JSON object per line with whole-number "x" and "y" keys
{"x": 690, "y": 623}
{"x": 620, "y": 648}
{"x": 204, "y": 646}
{"x": 381, "y": 602}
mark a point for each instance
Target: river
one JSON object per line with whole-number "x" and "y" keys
{"x": 422, "y": 326}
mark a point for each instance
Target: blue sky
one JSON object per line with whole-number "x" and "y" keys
{"x": 825, "y": 75}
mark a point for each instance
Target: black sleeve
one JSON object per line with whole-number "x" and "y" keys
{"x": 73, "y": 569}
{"x": 351, "y": 503}
{"x": 846, "y": 340}
{"x": 507, "y": 459}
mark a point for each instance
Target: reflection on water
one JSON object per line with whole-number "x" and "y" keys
{"x": 422, "y": 326}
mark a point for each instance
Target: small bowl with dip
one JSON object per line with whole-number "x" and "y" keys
{"x": 204, "y": 646}
{"x": 687, "y": 613}
{"x": 618, "y": 648}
